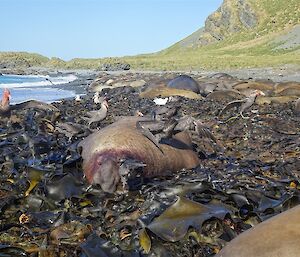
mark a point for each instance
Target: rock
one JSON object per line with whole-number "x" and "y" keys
{"x": 246, "y": 15}
{"x": 115, "y": 66}
{"x": 231, "y": 17}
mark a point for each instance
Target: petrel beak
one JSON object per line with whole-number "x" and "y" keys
{"x": 105, "y": 103}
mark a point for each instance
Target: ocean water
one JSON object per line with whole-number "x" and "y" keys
{"x": 23, "y": 88}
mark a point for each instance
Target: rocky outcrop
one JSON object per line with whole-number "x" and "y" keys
{"x": 231, "y": 17}
{"x": 17, "y": 60}
{"x": 115, "y": 66}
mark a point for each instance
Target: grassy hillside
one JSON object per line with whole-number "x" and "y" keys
{"x": 21, "y": 60}
{"x": 241, "y": 33}
{"x": 249, "y": 47}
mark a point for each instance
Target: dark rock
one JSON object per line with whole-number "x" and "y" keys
{"x": 115, "y": 66}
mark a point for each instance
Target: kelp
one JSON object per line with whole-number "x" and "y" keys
{"x": 47, "y": 207}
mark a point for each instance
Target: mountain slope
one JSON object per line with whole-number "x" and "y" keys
{"x": 231, "y": 17}
{"x": 243, "y": 20}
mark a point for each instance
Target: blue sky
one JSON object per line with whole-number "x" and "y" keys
{"x": 98, "y": 28}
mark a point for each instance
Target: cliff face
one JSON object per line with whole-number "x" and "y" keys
{"x": 231, "y": 17}
{"x": 258, "y": 17}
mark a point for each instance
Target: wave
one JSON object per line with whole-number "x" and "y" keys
{"x": 44, "y": 94}
{"x": 44, "y": 81}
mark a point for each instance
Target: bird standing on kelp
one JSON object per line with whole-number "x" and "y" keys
{"x": 99, "y": 115}
{"x": 243, "y": 104}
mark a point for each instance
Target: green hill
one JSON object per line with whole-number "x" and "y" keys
{"x": 241, "y": 33}
{"x": 11, "y": 60}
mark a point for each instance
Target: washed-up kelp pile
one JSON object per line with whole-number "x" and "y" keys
{"x": 248, "y": 174}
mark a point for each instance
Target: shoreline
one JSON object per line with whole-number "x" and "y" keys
{"x": 59, "y": 84}
{"x": 277, "y": 74}
{"x": 85, "y": 77}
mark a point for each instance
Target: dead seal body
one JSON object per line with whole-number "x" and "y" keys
{"x": 103, "y": 151}
{"x": 184, "y": 82}
{"x": 278, "y": 236}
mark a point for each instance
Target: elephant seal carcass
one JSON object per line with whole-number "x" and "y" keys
{"x": 104, "y": 150}
{"x": 278, "y": 236}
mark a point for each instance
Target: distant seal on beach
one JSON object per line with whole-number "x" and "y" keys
{"x": 163, "y": 91}
{"x": 184, "y": 82}
{"x": 278, "y": 236}
{"x": 221, "y": 75}
{"x": 104, "y": 150}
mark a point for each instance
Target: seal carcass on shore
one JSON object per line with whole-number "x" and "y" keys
{"x": 278, "y": 236}
{"x": 103, "y": 151}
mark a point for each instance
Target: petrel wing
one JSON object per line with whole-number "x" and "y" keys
{"x": 203, "y": 131}
{"x": 147, "y": 133}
